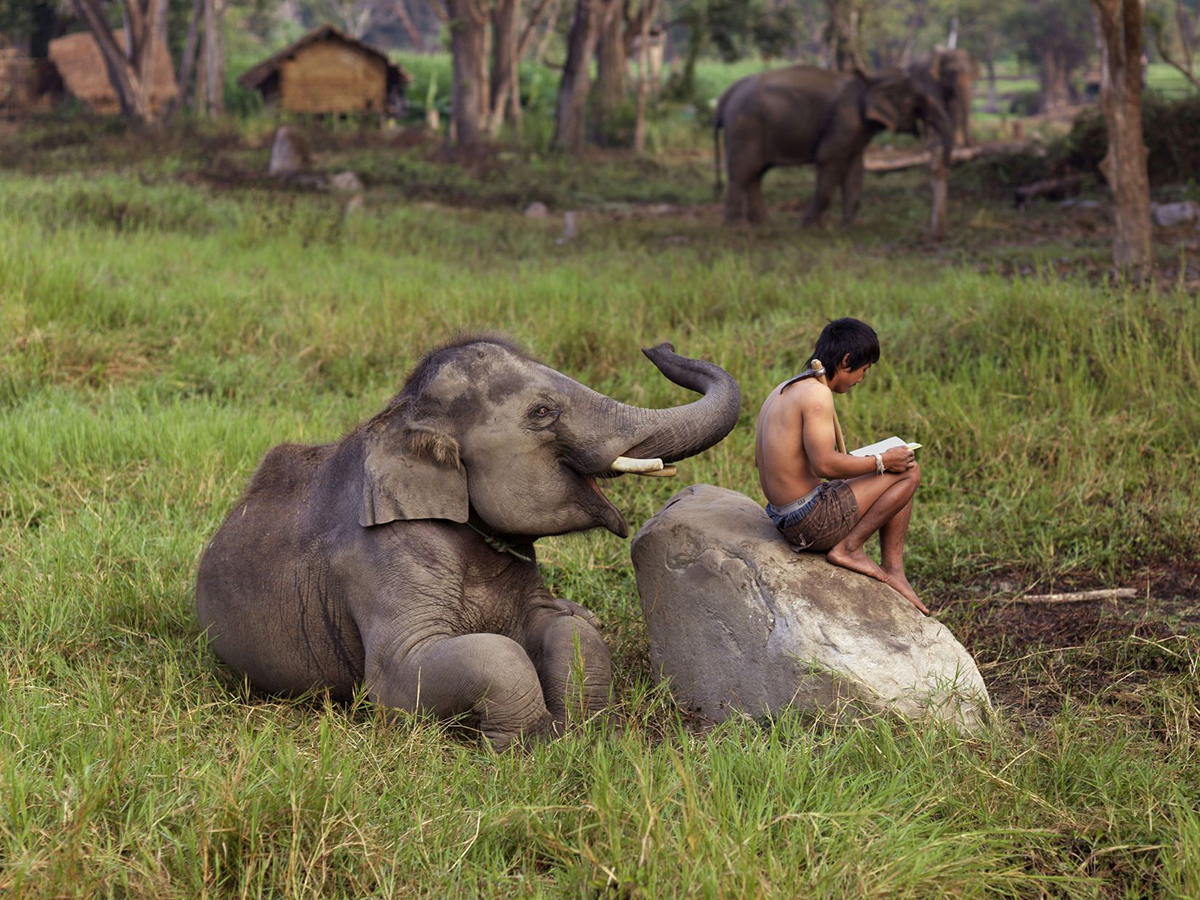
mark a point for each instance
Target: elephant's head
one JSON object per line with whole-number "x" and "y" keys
{"x": 899, "y": 103}
{"x": 479, "y": 426}
{"x": 952, "y": 69}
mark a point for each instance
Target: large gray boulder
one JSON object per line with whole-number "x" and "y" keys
{"x": 740, "y": 623}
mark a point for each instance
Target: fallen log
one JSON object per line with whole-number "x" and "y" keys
{"x": 1051, "y": 188}
{"x": 1080, "y": 596}
{"x": 887, "y": 161}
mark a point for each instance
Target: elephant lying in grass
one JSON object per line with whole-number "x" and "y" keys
{"x": 402, "y": 556}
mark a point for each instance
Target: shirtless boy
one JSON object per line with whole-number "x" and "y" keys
{"x": 795, "y": 450}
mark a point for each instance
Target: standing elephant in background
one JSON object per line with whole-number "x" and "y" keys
{"x": 402, "y": 556}
{"x": 802, "y": 114}
{"x": 948, "y": 74}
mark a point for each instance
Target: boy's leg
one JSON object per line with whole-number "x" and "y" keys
{"x": 891, "y": 546}
{"x": 881, "y": 499}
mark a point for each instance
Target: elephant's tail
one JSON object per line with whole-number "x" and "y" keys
{"x": 717, "y": 188}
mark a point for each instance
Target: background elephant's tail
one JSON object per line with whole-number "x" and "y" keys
{"x": 717, "y": 156}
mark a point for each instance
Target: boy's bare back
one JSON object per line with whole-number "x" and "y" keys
{"x": 784, "y": 425}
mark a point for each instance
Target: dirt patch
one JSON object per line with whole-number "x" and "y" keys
{"x": 1036, "y": 656}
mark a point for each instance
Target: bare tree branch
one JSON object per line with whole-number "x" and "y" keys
{"x": 400, "y": 8}
{"x": 1183, "y": 66}
{"x": 531, "y": 24}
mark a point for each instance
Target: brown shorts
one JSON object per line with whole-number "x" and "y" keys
{"x": 822, "y": 521}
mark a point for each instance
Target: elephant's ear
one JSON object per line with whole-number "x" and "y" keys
{"x": 412, "y": 472}
{"x": 881, "y": 107}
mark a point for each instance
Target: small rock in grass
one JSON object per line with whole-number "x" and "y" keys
{"x": 346, "y": 183}
{"x": 289, "y": 152}
{"x": 1168, "y": 214}
{"x": 536, "y": 210}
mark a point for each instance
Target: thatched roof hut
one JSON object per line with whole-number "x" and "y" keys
{"x": 81, "y": 65}
{"x": 327, "y": 71}
{"x": 27, "y": 85}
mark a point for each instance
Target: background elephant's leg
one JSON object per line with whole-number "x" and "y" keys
{"x": 572, "y": 661}
{"x": 756, "y": 209}
{"x": 486, "y": 677}
{"x": 829, "y": 176}
{"x": 735, "y": 201}
{"x": 852, "y": 189}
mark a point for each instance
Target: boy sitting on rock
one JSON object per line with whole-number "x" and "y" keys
{"x": 823, "y": 500}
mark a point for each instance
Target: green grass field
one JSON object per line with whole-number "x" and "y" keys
{"x": 159, "y": 331}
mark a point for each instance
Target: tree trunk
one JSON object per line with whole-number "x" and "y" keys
{"x": 639, "y": 125}
{"x": 697, "y": 40}
{"x": 214, "y": 58}
{"x": 190, "y": 48}
{"x": 468, "y": 50}
{"x": 576, "y": 75}
{"x": 844, "y": 21}
{"x": 45, "y": 21}
{"x": 990, "y": 64}
{"x": 123, "y": 72}
{"x": 611, "y": 62}
{"x": 504, "y": 61}
{"x": 1124, "y": 166}
{"x": 145, "y": 40}
{"x": 1052, "y": 79}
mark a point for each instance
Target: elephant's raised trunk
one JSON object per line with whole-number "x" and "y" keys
{"x": 683, "y": 431}
{"x": 666, "y": 434}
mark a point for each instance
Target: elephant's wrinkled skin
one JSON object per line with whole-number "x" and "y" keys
{"x": 366, "y": 560}
{"x": 802, "y": 114}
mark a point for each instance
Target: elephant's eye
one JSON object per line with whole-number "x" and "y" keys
{"x": 543, "y": 414}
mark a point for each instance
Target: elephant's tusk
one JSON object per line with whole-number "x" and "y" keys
{"x": 664, "y": 472}
{"x": 636, "y": 466}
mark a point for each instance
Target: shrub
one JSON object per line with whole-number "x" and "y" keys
{"x": 1172, "y": 134}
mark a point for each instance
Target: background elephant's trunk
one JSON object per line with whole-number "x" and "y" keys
{"x": 939, "y": 120}
{"x": 682, "y": 431}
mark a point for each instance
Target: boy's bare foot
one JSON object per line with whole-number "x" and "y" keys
{"x": 856, "y": 561}
{"x": 899, "y": 581}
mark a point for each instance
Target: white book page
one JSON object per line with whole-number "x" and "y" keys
{"x": 883, "y": 446}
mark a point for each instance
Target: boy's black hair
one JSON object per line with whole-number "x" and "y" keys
{"x": 843, "y": 336}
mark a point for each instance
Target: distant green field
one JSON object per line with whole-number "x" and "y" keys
{"x": 158, "y": 334}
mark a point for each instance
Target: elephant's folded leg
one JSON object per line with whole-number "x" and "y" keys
{"x": 573, "y": 663}
{"x": 486, "y": 678}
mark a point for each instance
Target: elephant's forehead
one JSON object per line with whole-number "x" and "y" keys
{"x": 494, "y": 378}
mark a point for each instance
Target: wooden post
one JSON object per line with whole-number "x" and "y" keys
{"x": 940, "y": 175}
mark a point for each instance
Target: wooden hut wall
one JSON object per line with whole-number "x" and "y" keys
{"x": 332, "y": 77}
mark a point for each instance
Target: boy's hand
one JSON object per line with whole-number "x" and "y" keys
{"x": 899, "y": 459}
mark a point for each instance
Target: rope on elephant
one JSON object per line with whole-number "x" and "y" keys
{"x": 498, "y": 545}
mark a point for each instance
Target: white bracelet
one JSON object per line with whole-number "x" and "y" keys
{"x": 879, "y": 469}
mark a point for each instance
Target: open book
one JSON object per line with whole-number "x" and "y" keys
{"x": 883, "y": 446}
